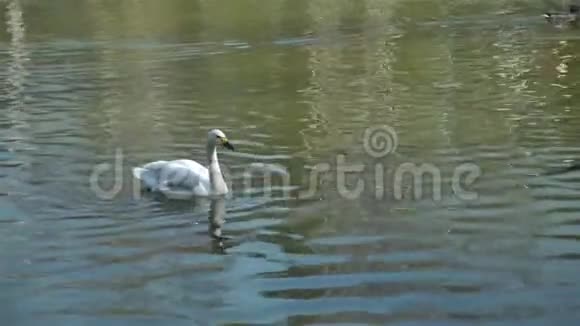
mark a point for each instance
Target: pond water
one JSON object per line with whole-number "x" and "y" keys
{"x": 479, "y": 98}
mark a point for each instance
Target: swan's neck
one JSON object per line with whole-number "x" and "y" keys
{"x": 216, "y": 180}
{"x": 212, "y": 155}
{"x": 212, "y": 160}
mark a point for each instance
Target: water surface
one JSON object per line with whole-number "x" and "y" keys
{"x": 95, "y": 85}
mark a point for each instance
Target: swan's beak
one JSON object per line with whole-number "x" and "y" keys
{"x": 226, "y": 143}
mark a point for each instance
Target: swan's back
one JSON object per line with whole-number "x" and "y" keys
{"x": 185, "y": 177}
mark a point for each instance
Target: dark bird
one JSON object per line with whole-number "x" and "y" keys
{"x": 564, "y": 18}
{"x": 571, "y": 168}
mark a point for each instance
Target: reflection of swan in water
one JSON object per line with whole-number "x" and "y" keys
{"x": 217, "y": 214}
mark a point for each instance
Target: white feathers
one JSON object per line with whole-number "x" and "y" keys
{"x": 183, "y": 179}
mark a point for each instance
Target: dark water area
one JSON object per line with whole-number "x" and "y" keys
{"x": 480, "y": 98}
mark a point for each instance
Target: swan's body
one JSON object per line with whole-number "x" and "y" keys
{"x": 184, "y": 179}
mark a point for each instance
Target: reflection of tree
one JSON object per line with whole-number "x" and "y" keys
{"x": 352, "y": 80}
{"x": 440, "y": 81}
{"x": 16, "y": 74}
{"x": 129, "y": 108}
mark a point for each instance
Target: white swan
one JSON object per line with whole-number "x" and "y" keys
{"x": 186, "y": 178}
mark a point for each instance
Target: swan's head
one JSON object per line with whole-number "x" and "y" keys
{"x": 216, "y": 136}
